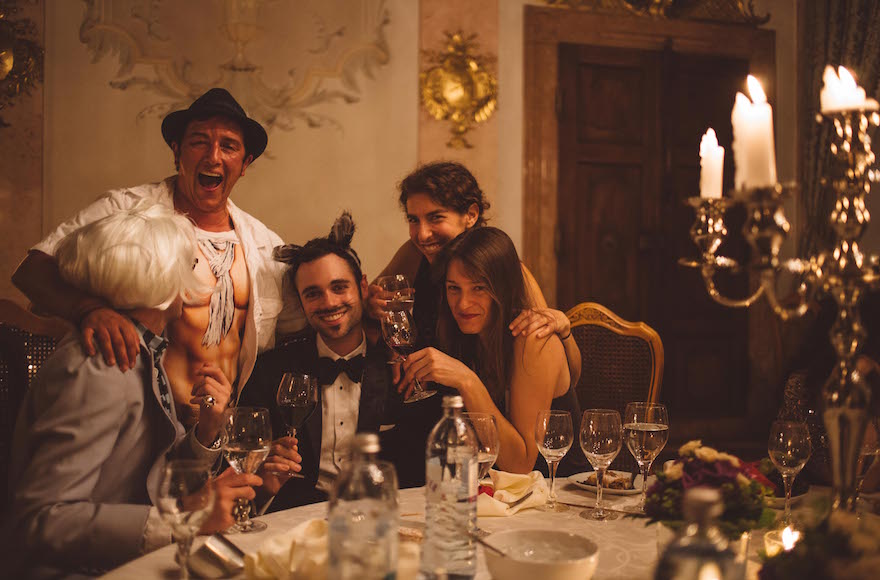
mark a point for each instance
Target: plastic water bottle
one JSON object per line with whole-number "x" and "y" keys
{"x": 363, "y": 516}
{"x": 450, "y": 497}
{"x": 700, "y": 550}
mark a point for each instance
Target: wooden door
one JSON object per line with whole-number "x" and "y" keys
{"x": 630, "y": 122}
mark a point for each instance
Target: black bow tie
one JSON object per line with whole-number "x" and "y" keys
{"x": 329, "y": 369}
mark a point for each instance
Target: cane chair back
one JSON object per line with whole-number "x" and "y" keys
{"x": 26, "y": 341}
{"x": 622, "y": 362}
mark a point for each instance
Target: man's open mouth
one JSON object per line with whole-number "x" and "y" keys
{"x": 210, "y": 180}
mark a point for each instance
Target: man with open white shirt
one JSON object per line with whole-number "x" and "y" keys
{"x": 213, "y": 142}
{"x": 353, "y": 377}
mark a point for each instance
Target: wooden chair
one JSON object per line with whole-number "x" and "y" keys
{"x": 26, "y": 341}
{"x": 622, "y": 362}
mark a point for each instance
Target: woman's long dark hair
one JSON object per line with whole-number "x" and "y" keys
{"x": 487, "y": 255}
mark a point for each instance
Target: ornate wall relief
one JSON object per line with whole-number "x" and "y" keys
{"x": 281, "y": 59}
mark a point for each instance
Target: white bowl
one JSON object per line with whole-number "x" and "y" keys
{"x": 541, "y": 554}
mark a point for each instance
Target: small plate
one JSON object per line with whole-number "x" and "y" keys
{"x": 778, "y": 503}
{"x": 578, "y": 480}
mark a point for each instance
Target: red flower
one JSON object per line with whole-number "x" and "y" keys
{"x": 751, "y": 471}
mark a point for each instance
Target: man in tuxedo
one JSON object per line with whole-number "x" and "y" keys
{"x": 352, "y": 373}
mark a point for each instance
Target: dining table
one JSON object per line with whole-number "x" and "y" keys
{"x": 628, "y": 547}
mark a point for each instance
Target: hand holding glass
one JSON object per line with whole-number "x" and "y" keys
{"x": 646, "y": 430}
{"x": 248, "y": 440}
{"x": 399, "y": 333}
{"x": 601, "y": 436}
{"x": 186, "y": 498}
{"x": 486, "y": 428}
{"x": 789, "y": 448}
{"x": 554, "y": 436}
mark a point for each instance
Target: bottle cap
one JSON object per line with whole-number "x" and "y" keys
{"x": 453, "y": 402}
{"x": 702, "y": 504}
{"x": 367, "y": 442}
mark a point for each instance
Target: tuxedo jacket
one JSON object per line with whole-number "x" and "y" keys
{"x": 300, "y": 354}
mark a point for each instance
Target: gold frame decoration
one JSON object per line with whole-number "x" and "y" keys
{"x": 732, "y": 11}
{"x": 21, "y": 56}
{"x": 459, "y": 87}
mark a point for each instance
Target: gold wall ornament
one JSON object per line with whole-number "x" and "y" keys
{"x": 731, "y": 11}
{"x": 459, "y": 88}
{"x": 21, "y": 56}
{"x": 283, "y": 61}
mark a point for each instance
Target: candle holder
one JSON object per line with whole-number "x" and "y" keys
{"x": 842, "y": 272}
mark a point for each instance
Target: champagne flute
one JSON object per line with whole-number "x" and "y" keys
{"x": 248, "y": 440}
{"x": 554, "y": 436}
{"x": 297, "y": 399}
{"x": 186, "y": 498}
{"x": 486, "y": 428}
{"x": 789, "y": 448}
{"x": 402, "y": 293}
{"x": 601, "y": 437}
{"x": 400, "y": 335}
{"x": 645, "y": 430}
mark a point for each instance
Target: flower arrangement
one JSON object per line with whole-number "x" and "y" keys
{"x": 842, "y": 546}
{"x": 743, "y": 489}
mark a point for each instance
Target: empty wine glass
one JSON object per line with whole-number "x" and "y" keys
{"x": 486, "y": 428}
{"x": 399, "y": 333}
{"x": 601, "y": 437}
{"x": 645, "y": 430}
{"x": 789, "y": 448}
{"x": 554, "y": 436}
{"x": 399, "y": 292}
{"x": 186, "y": 498}
{"x": 248, "y": 440}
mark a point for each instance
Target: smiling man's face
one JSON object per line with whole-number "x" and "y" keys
{"x": 210, "y": 158}
{"x": 331, "y": 299}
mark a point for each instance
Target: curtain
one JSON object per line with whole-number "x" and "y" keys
{"x": 835, "y": 32}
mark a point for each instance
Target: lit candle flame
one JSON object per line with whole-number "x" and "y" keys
{"x": 847, "y": 81}
{"x": 789, "y": 538}
{"x": 756, "y": 91}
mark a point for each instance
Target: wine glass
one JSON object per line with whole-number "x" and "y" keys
{"x": 297, "y": 399}
{"x": 400, "y": 335}
{"x": 402, "y": 295}
{"x": 869, "y": 455}
{"x": 486, "y": 428}
{"x": 645, "y": 430}
{"x": 601, "y": 437}
{"x": 789, "y": 448}
{"x": 554, "y": 436}
{"x": 186, "y": 498}
{"x": 248, "y": 440}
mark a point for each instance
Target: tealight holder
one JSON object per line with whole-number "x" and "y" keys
{"x": 776, "y": 541}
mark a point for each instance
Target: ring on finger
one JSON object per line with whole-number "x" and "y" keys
{"x": 209, "y": 401}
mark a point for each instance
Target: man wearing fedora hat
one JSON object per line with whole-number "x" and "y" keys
{"x": 214, "y": 142}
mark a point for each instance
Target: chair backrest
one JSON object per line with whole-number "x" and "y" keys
{"x": 26, "y": 341}
{"x": 622, "y": 362}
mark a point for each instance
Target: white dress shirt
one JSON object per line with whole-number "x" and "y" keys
{"x": 339, "y": 417}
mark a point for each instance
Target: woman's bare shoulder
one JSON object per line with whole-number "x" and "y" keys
{"x": 539, "y": 354}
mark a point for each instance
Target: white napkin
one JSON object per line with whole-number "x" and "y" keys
{"x": 301, "y": 554}
{"x": 510, "y": 487}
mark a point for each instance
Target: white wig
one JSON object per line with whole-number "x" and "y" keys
{"x": 142, "y": 257}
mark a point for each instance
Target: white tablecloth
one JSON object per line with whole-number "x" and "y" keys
{"x": 627, "y": 547}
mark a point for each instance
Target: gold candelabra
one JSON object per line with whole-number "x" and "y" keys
{"x": 841, "y": 271}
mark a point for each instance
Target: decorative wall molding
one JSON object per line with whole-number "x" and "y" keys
{"x": 729, "y": 11}
{"x": 281, "y": 59}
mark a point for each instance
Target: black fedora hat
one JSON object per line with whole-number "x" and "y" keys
{"x": 213, "y": 103}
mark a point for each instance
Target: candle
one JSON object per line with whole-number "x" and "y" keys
{"x": 776, "y": 541}
{"x": 711, "y": 165}
{"x": 841, "y": 93}
{"x": 789, "y": 538}
{"x": 753, "y": 148}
